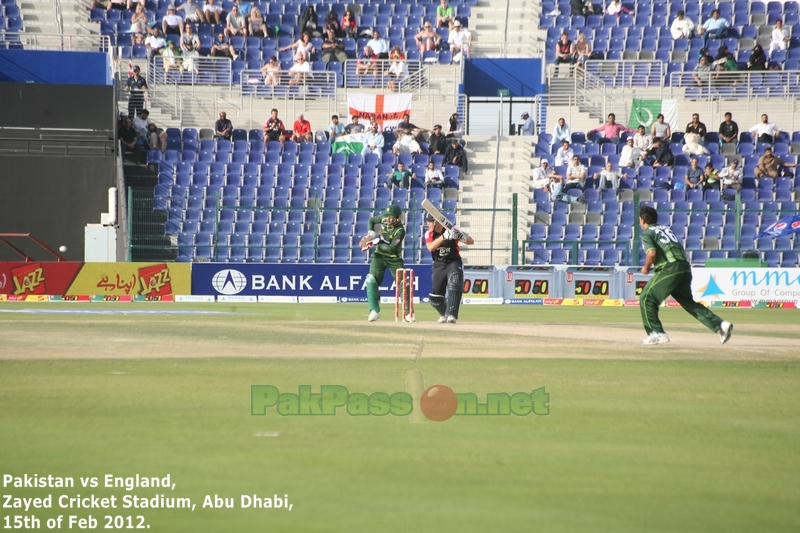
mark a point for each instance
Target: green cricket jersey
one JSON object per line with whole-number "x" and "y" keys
{"x": 391, "y": 244}
{"x": 665, "y": 243}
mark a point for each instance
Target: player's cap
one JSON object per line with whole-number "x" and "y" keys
{"x": 136, "y": 68}
{"x": 454, "y": 140}
{"x": 392, "y": 211}
{"x": 457, "y": 23}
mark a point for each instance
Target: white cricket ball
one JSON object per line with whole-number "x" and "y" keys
{"x": 62, "y": 248}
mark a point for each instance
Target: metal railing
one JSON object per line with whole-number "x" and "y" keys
{"x": 376, "y": 75}
{"x": 316, "y": 84}
{"x": 738, "y": 84}
{"x": 628, "y": 74}
{"x": 56, "y": 41}
{"x": 204, "y": 71}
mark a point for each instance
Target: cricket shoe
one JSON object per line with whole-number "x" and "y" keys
{"x": 373, "y": 316}
{"x": 451, "y": 319}
{"x": 411, "y": 318}
{"x": 725, "y": 331}
{"x": 442, "y": 319}
{"x": 656, "y": 338}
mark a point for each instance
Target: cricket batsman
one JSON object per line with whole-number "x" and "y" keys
{"x": 673, "y": 275}
{"x": 387, "y": 246}
{"x": 448, "y": 269}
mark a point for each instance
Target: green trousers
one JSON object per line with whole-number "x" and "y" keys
{"x": 377, "y": 269}
{"x": 676, "y": 280}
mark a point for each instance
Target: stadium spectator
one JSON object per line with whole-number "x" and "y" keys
{"x": 695, "y": 126}
{"x": 765, "y": 132}
{"x": 171, "y": 24}
{"x": 710, "y": 177}
{"x": 563, "y": 155}
{"x": 682, "y": 27}
{"x": 121, "y": 5}
{"x": 398, "y": 70}
{"x": 349, "y": 24}
{"x": 611, "y": 131}
{"x": 245, "y": 8}
{"x": 715, "y": 27}
{"x": 561, "y": 132}
{"x": 128, "y": 140}
{"x": 576, "y": 7}
{"x": 137, "y": 91}
{"x": 274, "y": 129}
{"x": 139, "y": 21}
{"x": 731, "y": 176}
{"x": 235, "y": 23}
{"x": 189, "y": 37}
{"x": 545, "y": 178}
{"x": 191, "y": 58}
{"x": 581, "y": 50}
{"x": 615, "y": 7}
{"x": 378, "y": 45}
{"x": 780, "y": 37}
{"x": 407, "y": 144}
{"x": 333, "y": 49}
{"x": 222, "y": 47}
{"x": 335, "y": 128}
{"x": 301, "y": 70}
{"x": 641, "y": 140}
{"x": 725, "y": 67}
{"x": 192, "y": 12}
{"x": 149, "y": 135}
{"x": 171, "y": 57}
{"x": 459, "y": 41}
{"x": 367, "y": 62}
{"x": 564, "y": 50}
{"x": 255, "y": 23}
{"x": 437, "y": 142}
{"x": 154, "y": 43}
{"x": 332, "y": 23}
{"x": 212, "y": 12}
{"x": 771, "y": 165}
{"x": 661, "y": 130}
{"x": 302, "y": 45}
{"x": 758, "y": 59}
{"x": 695, "y": 176}
{"x": 527, "y": 128}
{"x": 373, "y": 141}
{"x": 309, "y": 22}
{"x": 659, "y": 155}
{"x": 728, "y": 130}
{"x": 400, "y": 178}
{"x": 705, "y": 53}
{"x": 630, "y": 155}
{"x": 456, "y": 155}
{"x": 576, "y": 175}
{"x": 456, "y": 128}
{"x": 692, "y": 145}
{"x": 223, "y": 128}
{"x": 702, "y": 72}
{"x": 444, "y": 15}
{"x": 608, "y": 176}
{"x": 301, "y": 130}
{"x": 433, "y": 177}
{"x": 427, "y": 39}
{"x": 272, "y": 72}
{"x": 355, "y": 126}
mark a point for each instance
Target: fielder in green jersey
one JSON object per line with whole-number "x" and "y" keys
{"x": 387, "y": 246}
{"x": 673, "y": 275}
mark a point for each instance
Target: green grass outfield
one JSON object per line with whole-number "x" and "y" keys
{"x": 685, "y": 437}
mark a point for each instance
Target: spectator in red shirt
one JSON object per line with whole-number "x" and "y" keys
{"x": 301, "y": 131}
{"x": 611, "y": 131}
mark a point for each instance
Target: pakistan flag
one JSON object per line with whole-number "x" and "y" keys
{"x": 644, "y": 113}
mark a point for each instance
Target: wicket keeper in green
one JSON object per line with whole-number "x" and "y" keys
{"x": 387, "y": 245}
{"x": 673, "y": 275}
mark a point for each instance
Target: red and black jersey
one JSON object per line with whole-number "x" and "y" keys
{"x": 447, "y": 252}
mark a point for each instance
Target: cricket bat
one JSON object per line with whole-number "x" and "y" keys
{"x": 438, "y": 216}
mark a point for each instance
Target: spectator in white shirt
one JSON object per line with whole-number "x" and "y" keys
{"x": 731, "y": 176}
{"x": 459, "y": 41}
{"x": 780, "y": 37}
{"x": 765, "y": 132}
{"x": 563, "y": 155}
{"x": 561, "y": 132}
{"x": 616, "y": 7}
{"x": 527, "y": 127}
{"x": 576, "y": 175}
{"x": 433, "y": 176}
{"x": 545, "y": 178}
{"x": 630, "y": 156}
{"x": 212, "y": 12}
{"x": 236, "y": 24}
{"x": 172, "y": 24}
{"x": 608, "y": 175}
{"x": 154, "y": 44}
{"x": 642, "y": 140}
{"x": 682, "y": 27}
{"x": 373, "y": 141}
{"x": 379, "y": 46}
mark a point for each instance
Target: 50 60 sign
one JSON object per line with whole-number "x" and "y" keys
{"x": 585, "y": 288}
{"x": 536, "y": 287}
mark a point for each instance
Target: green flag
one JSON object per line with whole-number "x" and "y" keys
{"x": 349, "y": 144}
{"x": 644, "y": 113}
